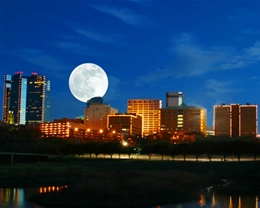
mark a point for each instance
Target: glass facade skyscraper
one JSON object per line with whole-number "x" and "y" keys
{"x": 26, "y": 99}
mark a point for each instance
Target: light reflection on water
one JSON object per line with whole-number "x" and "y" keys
{"x": 219, "y": 201}
{"x": 20, "y": 197}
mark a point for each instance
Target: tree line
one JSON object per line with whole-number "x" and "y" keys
{"x": 13, "y": 140}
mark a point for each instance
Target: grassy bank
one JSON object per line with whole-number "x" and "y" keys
{"x": 131, "y": 183}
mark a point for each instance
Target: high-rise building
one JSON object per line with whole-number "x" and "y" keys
{"x": 26, "y": 99}
{"x": 174, "y": 99}
{"x": 183, "y": 119}
{"x": 96, "y": 112}
{"x": 127, "y": 124}
{"x": 235, "y": 120}
{"x": 150, "y": 110}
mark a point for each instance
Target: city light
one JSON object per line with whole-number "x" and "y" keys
{"x": 124, "y": 143}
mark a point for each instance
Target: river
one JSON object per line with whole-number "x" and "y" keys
{"x": 20, "y": 198}
{"x": 219, "y": 201}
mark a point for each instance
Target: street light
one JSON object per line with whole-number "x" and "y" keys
{"x": 76, "y": 135}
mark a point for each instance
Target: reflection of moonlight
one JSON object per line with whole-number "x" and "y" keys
{"x": 87, "y": 81}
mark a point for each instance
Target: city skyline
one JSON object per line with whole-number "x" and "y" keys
{"x": 209, "y": 50}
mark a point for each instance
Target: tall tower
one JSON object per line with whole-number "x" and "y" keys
{"x": 174, "y": 99}
{"x": 235, "y": 120}
{"x": 150, "y": 109}
{"x": 26, "y": 99}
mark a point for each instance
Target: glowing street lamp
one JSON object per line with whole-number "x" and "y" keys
{"x": 76, "y": 135}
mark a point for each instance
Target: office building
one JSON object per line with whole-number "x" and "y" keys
{"x": 96, "y": 112}
{"x": 150, "y": 110}
{"x": 183, "y": 119}
{"x": 70, "y": 129}
{"x": 126, "y": 124}
{"x": 235, "y": 120}
{"x": 174, "y": 99}
{"x": 26, "y": 99}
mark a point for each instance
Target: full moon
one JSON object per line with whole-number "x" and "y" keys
{"x": 88, "y": 80}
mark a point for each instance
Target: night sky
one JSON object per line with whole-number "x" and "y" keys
{"x": 209, "y": 50}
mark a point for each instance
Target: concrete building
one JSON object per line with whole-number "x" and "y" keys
{"x": 236, "y": 120}
{"x": 26, "y": 99}
{"x": 183, "y": 119}
{"x": 150, "y": 110}
{"x": 95, "y": 114}
{"x": 127, "y": 124}
{"x": 174, "y": 99}
{"x": 69, "y": 129}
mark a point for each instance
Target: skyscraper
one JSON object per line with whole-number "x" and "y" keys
{"x": 26, "y": 99}
{"x": 174, "y": 99}
{"x": 235, "y": 120}
{"x": 150, "y": 110}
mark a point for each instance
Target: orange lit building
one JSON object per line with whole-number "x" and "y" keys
{"x": 150, "y": 110}
{"x": 235, "y": 120}
{"x": 69, "y": 130}
{"x": 95, "y": 114}
{"x": 183, "y": 119}
{"x": 126, "y": 124}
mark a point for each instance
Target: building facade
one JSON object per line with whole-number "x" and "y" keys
{"x": 26, "y": 99}
{"x": 183, "y": 119}
{"x": 150, "y": 109}
{"x": 126, "y": 124}
{"x": 95, "y": 114}
{"x": 236, "y": 120}
{"x": 174, "y": 98}
{"x": 69, "y": 129}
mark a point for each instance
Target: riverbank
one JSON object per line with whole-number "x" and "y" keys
{"x": 129, "y": 183}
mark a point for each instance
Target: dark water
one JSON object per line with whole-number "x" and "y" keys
{"x": 20, "y": 198}
{"x": 17, "y": 198}
{"x": 219, "y": 201}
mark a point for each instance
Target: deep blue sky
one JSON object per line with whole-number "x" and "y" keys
{"x": 209, "y": 50}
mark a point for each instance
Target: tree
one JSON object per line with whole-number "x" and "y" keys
{"x": 183, "y": 149}
{"x": 173, "y": 151}
{"x": 92, "y": 148}
{"x": 196, "y": 149}
{"x": 209, "y": 148}
{"x": 111, "y": 148}
{"x": 254, "y": 149}
{"x": 148, "y": 149}
{"x": 161, "y": 148}
{"x": 128, "y": 150}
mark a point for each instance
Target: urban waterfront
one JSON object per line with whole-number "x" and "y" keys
{"x": 131, "y": 182}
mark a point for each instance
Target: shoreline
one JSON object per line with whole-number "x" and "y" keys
{"x": 131, "y": 183}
